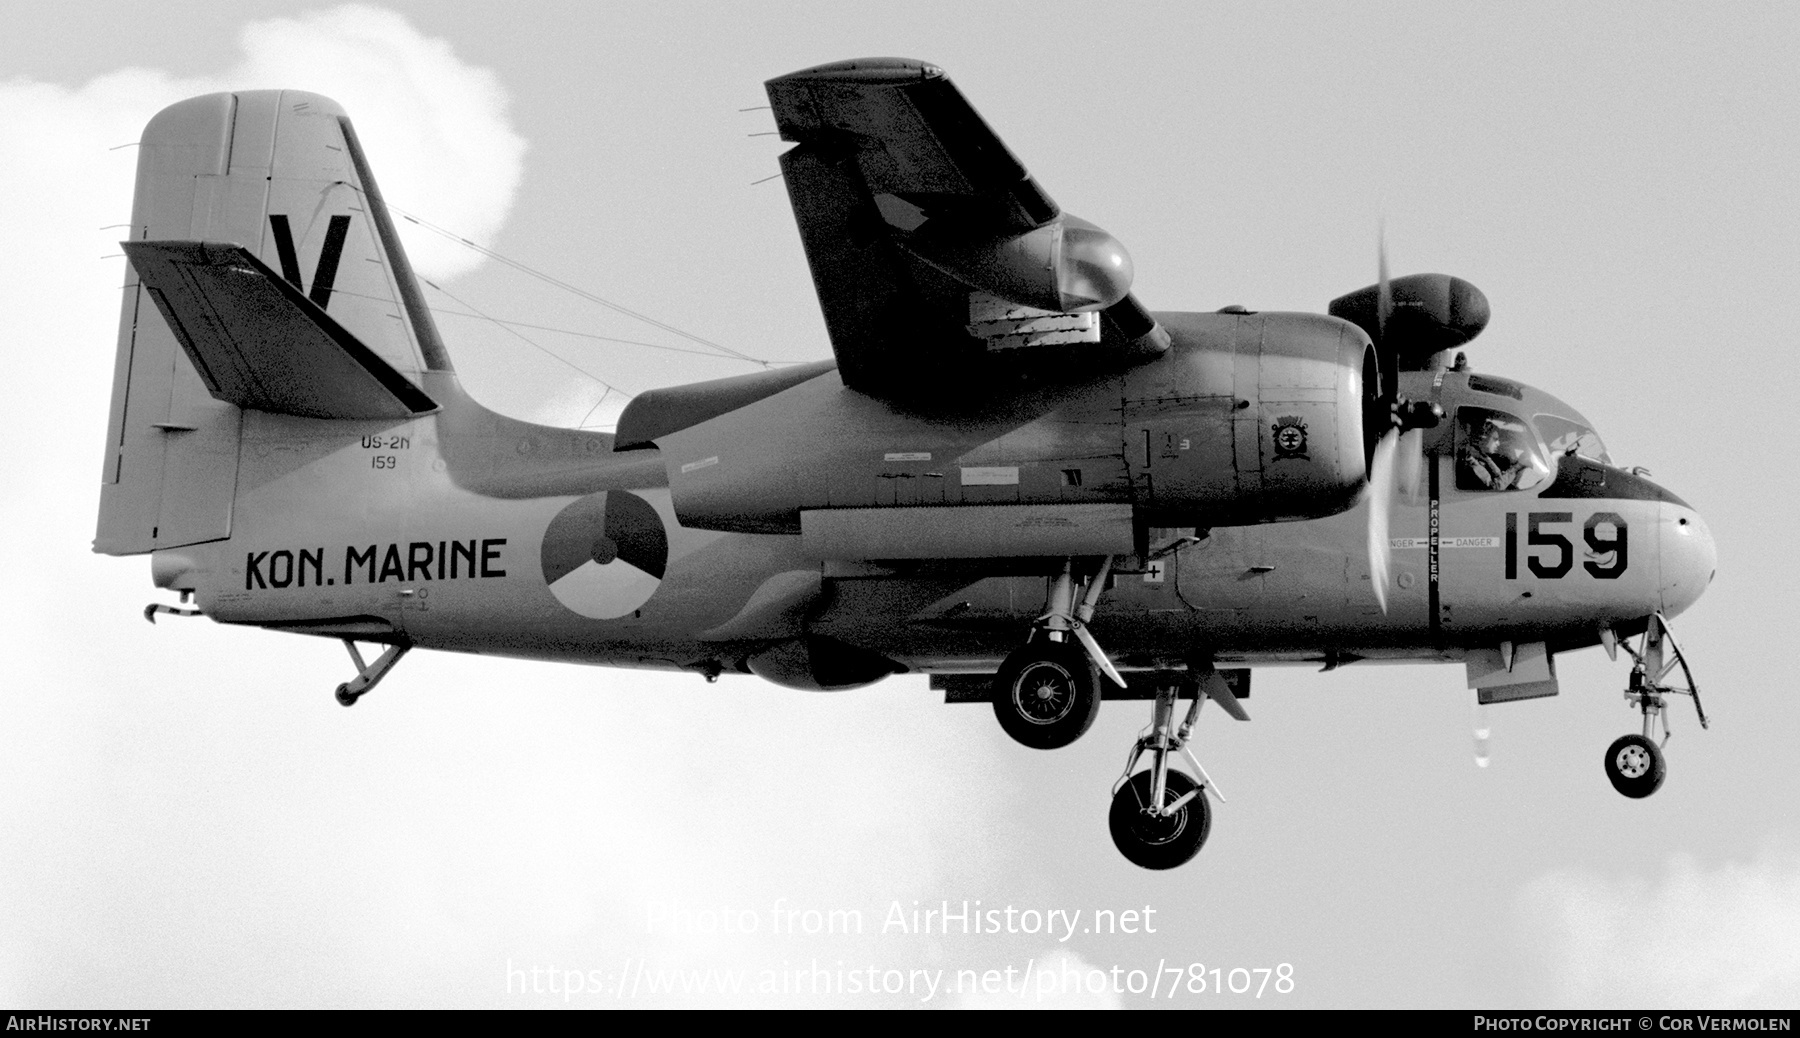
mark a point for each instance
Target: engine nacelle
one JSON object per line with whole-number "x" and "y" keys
{"x": 1247, "y": 418}
{"x": 1064, "y": 266}
{"x": 1430, "y": 313}
{"x": 1252, "y": 418}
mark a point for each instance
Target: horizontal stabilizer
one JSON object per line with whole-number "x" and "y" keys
{"x": 259, "y": 343}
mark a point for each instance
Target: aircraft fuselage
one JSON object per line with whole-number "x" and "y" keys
{"x": 444, "y": 532}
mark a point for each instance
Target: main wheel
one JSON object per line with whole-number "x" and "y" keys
{"x": 1635, "y": 766}
{"x": 1159, "y": 841}
{"x": 1047, "y": 694}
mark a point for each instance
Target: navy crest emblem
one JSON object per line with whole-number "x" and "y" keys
{"x": 1289, "y": 437}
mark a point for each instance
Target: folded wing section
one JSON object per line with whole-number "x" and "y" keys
{"x": 911, "y": 135}
{"x": 257, "y": 342}
{"x": 929, "y": 243}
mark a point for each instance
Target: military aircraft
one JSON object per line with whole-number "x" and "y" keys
{"x": 1014, "y": 477}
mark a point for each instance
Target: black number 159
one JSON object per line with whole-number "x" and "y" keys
{"x": 1561, "y": 559}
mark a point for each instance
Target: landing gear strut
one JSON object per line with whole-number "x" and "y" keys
{"x": 1634, "y": 763}
{"x": 1048, "y": 691}
{"x": 368, "y": 674}
{"x": 1160, "y": 817}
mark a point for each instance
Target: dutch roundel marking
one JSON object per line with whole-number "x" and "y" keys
{"x": 604, "y": 555}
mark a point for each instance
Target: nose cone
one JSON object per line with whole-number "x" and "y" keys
{"x": 1689, "y": 558}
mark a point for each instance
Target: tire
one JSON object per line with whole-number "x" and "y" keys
{"x": 1159, "y": 843}
{"x": 1635, "y": 766}
{"x": 1047, "y": 694}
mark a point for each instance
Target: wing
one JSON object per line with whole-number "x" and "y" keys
{"x": 930, "y": 245}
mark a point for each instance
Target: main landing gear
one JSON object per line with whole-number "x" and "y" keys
{"x": 1634, "y": 763}
{"x": 1160, "y": 817}
{"x": 1047, "y": 693}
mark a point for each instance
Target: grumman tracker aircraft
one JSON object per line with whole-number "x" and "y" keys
{"x": 1013, "y": 478}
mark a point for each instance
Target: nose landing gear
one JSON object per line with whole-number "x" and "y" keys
{"x": 1634, "y": 763}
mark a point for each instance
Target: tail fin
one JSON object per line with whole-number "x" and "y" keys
{"x": 249, "y": 184}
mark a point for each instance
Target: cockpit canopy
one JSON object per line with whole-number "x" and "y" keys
{"x": 1497, "y": 451}
{"x": 1508, "y": 436}
{"x": 1562, "y": 435}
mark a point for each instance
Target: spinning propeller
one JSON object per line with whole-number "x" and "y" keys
{"x": 1381, "y": 460}
{"x": 1412, "y": 321}
{"x": 1398, "y": 423}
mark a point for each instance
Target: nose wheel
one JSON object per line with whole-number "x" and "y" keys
{"x": 1635, "y": 766}
{"x": 1634, "y": 763}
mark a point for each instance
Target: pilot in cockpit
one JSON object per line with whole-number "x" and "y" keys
{"x": 1494, "y": 455}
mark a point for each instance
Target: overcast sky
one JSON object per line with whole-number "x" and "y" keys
{"x": 192, "y": 821}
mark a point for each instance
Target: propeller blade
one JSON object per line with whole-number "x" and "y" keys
{"x": 1381, "y": 503}
{"x": 1411, "y": 462}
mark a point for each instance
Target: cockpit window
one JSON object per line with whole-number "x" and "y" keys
{"x": 1497, "y": 451}
{"x": 1564, "y": 434}
{"x": 1496, "y": 386}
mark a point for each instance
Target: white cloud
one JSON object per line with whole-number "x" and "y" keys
{"x": 435, "y": 128}
{"x": 1703, "y": 938}
{"x": 197, "y": 824}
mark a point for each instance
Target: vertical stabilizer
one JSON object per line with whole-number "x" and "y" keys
{"x": 280, "y": 173}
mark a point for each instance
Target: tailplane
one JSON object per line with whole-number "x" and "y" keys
{"x": 258, "y": 343}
